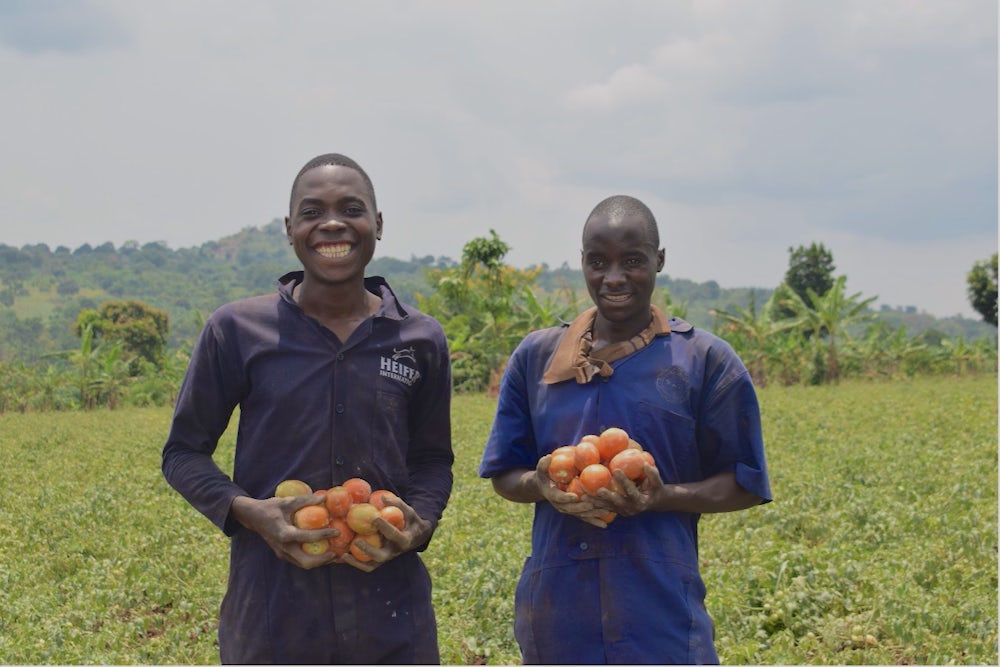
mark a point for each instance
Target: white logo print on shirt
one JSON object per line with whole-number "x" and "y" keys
{"x": 390, "y": 367}
{"x": 406, "y": 353}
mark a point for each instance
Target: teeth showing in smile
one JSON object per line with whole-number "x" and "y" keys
{"x": 334, "y": 250}
{"x": 616, "y": 297}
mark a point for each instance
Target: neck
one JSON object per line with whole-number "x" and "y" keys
{"x": 340, "y": 301}
{"x": 607, "y": 332}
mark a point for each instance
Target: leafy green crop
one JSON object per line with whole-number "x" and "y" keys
{"x": 100, "y": 561}
{"x": 880, "y": 547}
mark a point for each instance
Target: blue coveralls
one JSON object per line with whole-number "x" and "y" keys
{"x": 632, "y": 592}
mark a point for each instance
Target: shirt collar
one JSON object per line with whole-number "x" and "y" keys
{"x": 391, "y": 307}
{"x": 575, "y": 360}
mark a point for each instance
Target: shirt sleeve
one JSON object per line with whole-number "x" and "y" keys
{"x": 730, "y": 434}
{"x": 208, "y": 395}
{"x": 430, "y": 455}
{"x": 511, "y": 442}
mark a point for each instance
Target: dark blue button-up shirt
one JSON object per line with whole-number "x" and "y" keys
{"x": 311, "y": 407}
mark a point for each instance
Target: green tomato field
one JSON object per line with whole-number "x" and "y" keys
{"x": 879, "y": 548}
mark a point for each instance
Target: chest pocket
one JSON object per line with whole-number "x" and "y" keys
{"x": 670, "y": 438}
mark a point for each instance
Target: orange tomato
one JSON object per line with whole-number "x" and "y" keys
{"x": 316, "y": 548}
{"x": 311, "y": 517}
{"x": 359, "y": 488}
{"x": 630, "y": 462}
{"x": 595, "y": 477}
{"x": 393, "y": 515}
{"x": 565, "y": 449}
{"x": 375, "y": 540}
{"x": 611, "y": 441}
{"x": 585, "y": 454}
{"x": 360, "y": 518}
{"x": 292, "y": 487}
{"x": 342, "y": 542}
{"x": 562, "y": 466}
{"x": 338, "y": 501}
{"x": 377, "y": 498}
{"x": 576, "y": 487}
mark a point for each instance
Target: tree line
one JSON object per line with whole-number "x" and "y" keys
{"x": 809, "y": 330}
{"x": 129, "y": 342}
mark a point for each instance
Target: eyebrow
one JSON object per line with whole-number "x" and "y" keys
{"x": 346, "y": 199}
{"x": 629, "y": 251}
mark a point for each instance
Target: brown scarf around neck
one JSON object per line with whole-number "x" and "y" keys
{"x": 575, "y": 358}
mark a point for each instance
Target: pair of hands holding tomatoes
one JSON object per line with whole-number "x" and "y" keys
{"x": 271, "y": 518}
{"x": 649, "y": 495}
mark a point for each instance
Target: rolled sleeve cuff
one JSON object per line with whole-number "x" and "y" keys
{"x": 755, "y": 481}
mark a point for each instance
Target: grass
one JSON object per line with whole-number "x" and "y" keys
{"x": 880, "y": 547}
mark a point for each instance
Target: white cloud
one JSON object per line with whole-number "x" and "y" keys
{"x": 748, "y": 127}
{"x": 626, "y": 86}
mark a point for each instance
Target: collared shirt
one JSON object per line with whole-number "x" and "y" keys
{"x": 315, "y": 408}
{"x": 576, "y": 359}
{"x": 630, "y": 592}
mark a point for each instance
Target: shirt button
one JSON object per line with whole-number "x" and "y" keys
{"x": 340, "y": 356}
{"x": 339, "y": 461}
{"x": 584, "y": 546}
{"x": 340, "y": 408}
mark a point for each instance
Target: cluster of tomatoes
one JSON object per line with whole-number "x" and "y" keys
{"x": 587, "y": 467}
{"x": 351, "y": 508}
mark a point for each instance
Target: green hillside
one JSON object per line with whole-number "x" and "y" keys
{"x": 42, "y": 290}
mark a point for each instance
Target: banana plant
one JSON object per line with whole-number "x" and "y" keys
{"x": 752, "y": 333}
{"x": 829, "y": 315}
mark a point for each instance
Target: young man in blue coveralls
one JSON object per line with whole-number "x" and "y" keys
{"x": 628, "y": 591}
{"x": 334, "y": 378}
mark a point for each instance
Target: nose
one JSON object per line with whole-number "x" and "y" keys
{"x": 614, "y": 275}
{"x": 332, "y": 223}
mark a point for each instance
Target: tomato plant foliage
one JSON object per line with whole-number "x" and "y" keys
{"x": 880, "y": 546}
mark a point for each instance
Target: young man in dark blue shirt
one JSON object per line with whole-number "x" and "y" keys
{"x": 334, "y": 378}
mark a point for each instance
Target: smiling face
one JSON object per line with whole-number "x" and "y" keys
{"x": 333, "y": 225}
{"x": 620, "y": 263}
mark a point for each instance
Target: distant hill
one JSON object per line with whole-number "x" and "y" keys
{"x": 42, "y": 290}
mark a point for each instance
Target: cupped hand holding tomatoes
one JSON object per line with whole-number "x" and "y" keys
{"x": 600, "y": 477}
{"x": 633, "y": 496}
{"x": 274, "y": 520}
{"x": 566, "y": 501}
{"x": 392, "y": 540}
{"x": 350, "y": 523}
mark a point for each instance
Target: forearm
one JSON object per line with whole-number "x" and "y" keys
{"x": 428, "y": 492}
{"x": 241, "y": 511}
{"x": 518, "y": 485}
{"x": 197, "y": 478}
{"x": 720, "y": 493}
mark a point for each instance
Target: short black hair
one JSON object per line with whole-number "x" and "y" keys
{"x": 619, "y": 206}
{"x": 336, "y": 160}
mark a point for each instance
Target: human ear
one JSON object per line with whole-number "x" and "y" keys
{"x": 288, "y": 230}
{"x": 378, "y": 226}
{"x": 659, "y": 260}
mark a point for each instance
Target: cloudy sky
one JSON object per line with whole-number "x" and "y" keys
{"x": 748, "y": 127}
